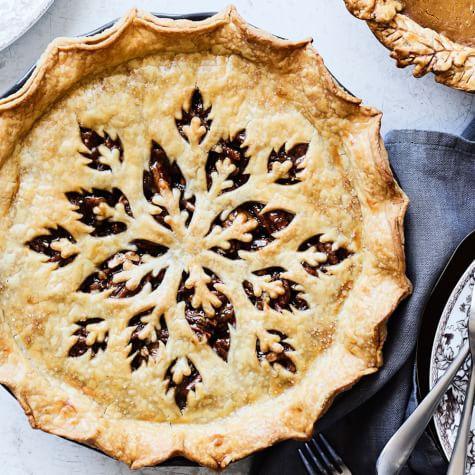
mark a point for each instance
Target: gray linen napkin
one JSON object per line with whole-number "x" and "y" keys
{"x": 437, "y": 171}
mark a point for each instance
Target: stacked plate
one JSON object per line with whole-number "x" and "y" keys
{"x": 442, "y": 335}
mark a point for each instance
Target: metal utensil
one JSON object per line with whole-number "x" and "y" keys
{"x": 459, "y": 453}
{"x": 402, "y": 443}
{"x": 319, "y": 458}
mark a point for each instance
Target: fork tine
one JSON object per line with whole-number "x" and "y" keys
{"x": 337, "y": 461}
{"x": 315, "y": 455}
{"x": 320, "y": 450}
{"x": 306, "y": 463}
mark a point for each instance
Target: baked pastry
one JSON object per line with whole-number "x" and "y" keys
{"x": 433, "y": 35}
{"x": 201, "y": 240}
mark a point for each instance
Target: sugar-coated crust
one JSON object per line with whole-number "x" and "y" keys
{"x": 452, "y": 63}
{"x": 352, "y": 164}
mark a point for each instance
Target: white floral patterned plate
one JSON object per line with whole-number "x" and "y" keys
{"x": 449, "y": 338}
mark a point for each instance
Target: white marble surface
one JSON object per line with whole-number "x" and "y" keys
{"x": 350, "y": 52}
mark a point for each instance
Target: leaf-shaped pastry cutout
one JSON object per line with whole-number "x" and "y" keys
{"x": 213, "y": 327}
{"x": 255, "y": 230}
{"x": 93, "y": 142}
{"x": 226, "y": 164}
{"x": 92, "y": 335}
{"x": 275, "y": 349}
{"x": 146, "y": 337}
{"x": 105, "y": 278}
{"x": 270, "y": 289}
{"x": 287, "y": 165}
{"x": 194, "y": 123}
{"x": 105, "y": 211}
{"x": 58, "y": 245}
{"x": 182, "y": 376}
{"x": 318, "y": 255}
{"x": 162, "y": 178}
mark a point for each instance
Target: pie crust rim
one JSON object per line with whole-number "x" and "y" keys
{"x": 215, "y": 444}
{"x": 452, "y": 63}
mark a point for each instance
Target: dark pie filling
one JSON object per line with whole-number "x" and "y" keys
{"x": 333, "y": 256}
{"x": 280, "y": 358}
{"x": 81, "y": 347}
{"x": 42, "y": 245}
{"x": 236, "y": 153}
{"x": 197, "y": 109}
{"x": 213, "y": 329}
{"x": 92, "y": 140}
{"x": 163, "y": 174}
{"x": 296, "y": 155}
{"x": 288, "y": 299}
{"x": 103, "y": 279}
{"x": 144, "y": 349}
{"x": 187, "y": 384}
{"x": 88, "y": 202}
{"x": 267, "y": 224}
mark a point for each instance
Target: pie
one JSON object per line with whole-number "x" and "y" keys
{"x": 201, "y": 240}
{"x": 433, "y": 35}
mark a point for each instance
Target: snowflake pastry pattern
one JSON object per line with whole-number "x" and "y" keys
{"x": 141, "y": 266}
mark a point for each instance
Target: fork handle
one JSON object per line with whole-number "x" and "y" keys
{"x": 459, "y": 453}
{"x": 402, "y": 443}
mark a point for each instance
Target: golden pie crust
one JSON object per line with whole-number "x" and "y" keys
{"x": 201, "y": 240}
{"x": 424, "y": 43}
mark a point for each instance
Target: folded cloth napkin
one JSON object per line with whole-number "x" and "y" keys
{"x": 437, "y": 171}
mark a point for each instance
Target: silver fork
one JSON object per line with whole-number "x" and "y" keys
{"x": 459, "y": 454}
{"x": 319, "y": 458}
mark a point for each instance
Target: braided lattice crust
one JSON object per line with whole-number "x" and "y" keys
{"x": 428, "y": 51}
